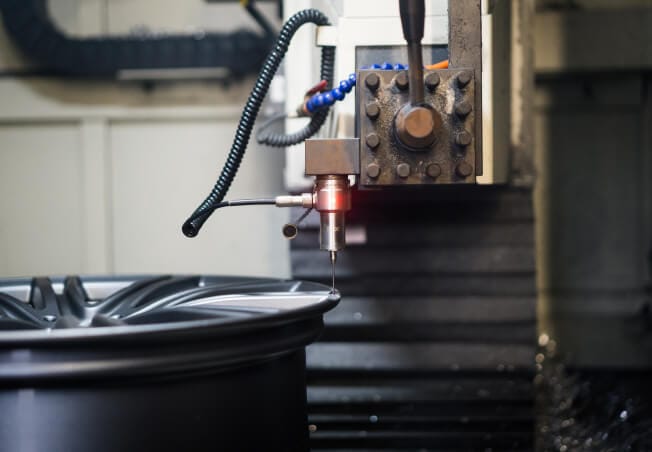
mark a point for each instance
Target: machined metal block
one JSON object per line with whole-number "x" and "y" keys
{"x": 333, "y": 156}
{"x": 451, "y": 157}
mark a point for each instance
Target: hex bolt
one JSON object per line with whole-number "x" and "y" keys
{"x": 372, "y": 81}
{"x": 463, "y": 79}
{"x": 373, "y": 110}
{"x": 432, "y": 80}
{"x": 463, "y": 169}
{"x": 373, "y": 170}
{"x": 372, "y": 140}
{"x": 403, "y": 170}
{"x": 463, "y": 138}
{"x": 433, "y": 170}
{"x": 401, "y": 80}
{"x": 463, "y": 109}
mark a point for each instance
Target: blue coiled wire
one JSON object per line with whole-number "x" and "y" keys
{"x": 328, "y": 98}
{"x": 194, "y": 223}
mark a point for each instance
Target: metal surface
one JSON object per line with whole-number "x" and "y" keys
{"x": 333, "y": 256}
{"x": 332, "y": 156}
{"x": 433, "y": 347}
{"x": 565, "y": 32}
{"x": 40, "y": 310}
{"x": 302, "y": 200}
{"x": 332, "y": 233}
{"x": 332, "y": 161}
{"x": 465, "y": 51}
{"x": 332, "y": 201}
{"x": 160, "y": 363}
{"x": 417, "y": 127}
{"x": 202, "y": 411}
{"x": 446, "y": 139}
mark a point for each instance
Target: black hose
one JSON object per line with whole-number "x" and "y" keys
{"x": 317, "y": 120}
{"x": 263, "y": 130}
{"x": 236, "y": 202}
{"x": 194, "y": 223}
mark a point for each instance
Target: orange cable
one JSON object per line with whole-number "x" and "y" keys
{"x": 440, "y": 65}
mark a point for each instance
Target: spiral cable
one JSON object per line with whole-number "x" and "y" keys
{"x": 194, "y": 223}
{"x": 317, "y": 119}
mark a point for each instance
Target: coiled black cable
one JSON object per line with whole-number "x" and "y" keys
{"x": 194, "y": 223}
{"x": 317, "y": 120}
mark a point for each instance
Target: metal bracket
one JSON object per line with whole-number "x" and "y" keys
{"x": 337, "y": 156}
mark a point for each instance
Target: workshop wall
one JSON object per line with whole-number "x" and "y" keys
{"x": 97, "y": 177}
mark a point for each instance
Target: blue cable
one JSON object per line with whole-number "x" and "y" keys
{"x": 328, "y": 98}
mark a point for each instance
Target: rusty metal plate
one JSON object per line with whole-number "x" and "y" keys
{"x": 449, "y": 160}
{"x": 465, "y": 50}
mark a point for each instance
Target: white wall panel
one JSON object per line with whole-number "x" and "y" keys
{"x": 40, "y": 207}
{"x": 161, "y": 171}
{"x": 126, "y": 165}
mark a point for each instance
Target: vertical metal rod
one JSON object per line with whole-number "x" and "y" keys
{"x": 413, "y": 16}
{"x": 333, "y": 256}
{"x": 415, "y": 73}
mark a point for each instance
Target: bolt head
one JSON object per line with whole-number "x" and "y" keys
{"x": 372, "y": 81}
{"x": 372, "y": 140}
{"x": 432, "y": 80}
{"x": 403, "y": 170}
{"x": 433, "y": 170}
{"x": 463, "y": 79}
{"x": 463, "y": 169}
{"x": 463, "y": 109}
{"x": 463, "y": 138}
{"x": 373, "y": 170}
{"x": 372, "y": 110}
{"x": 401, "y": 80}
